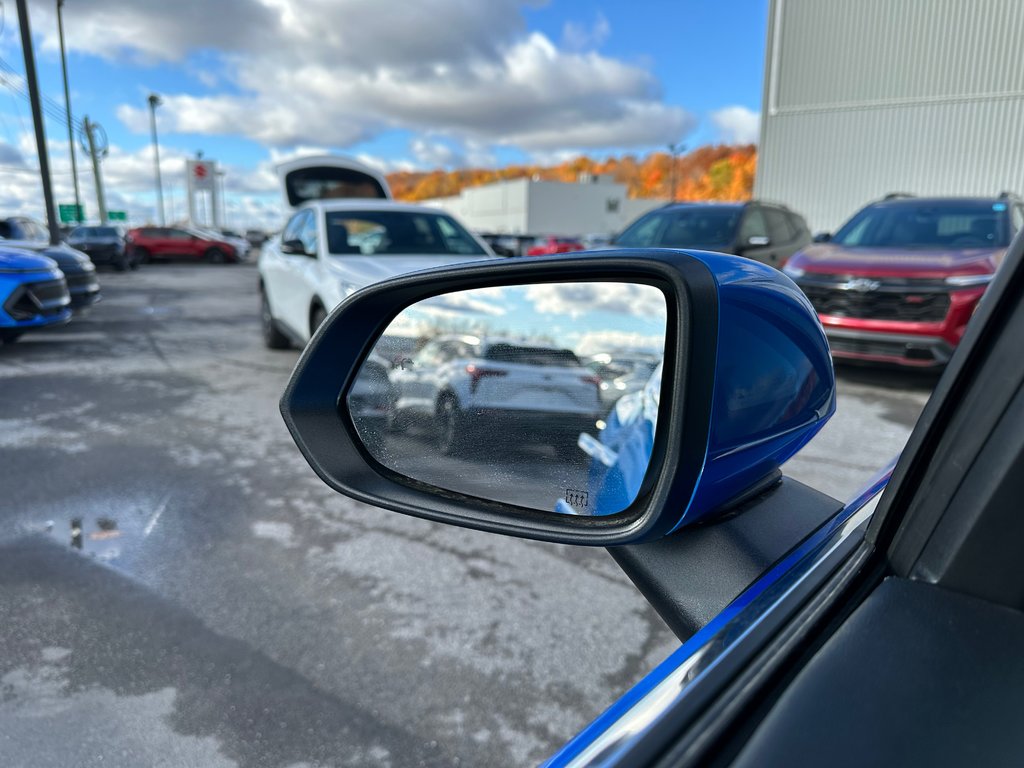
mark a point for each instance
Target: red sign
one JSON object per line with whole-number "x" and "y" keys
{"x": 200, "y": 171}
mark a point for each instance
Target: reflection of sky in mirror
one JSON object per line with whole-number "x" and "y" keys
{"x": 587, "y": 317}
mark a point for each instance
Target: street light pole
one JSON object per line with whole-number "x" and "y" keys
{"x": 154, "y": 102}
{"x": 674, "y": 149}
{"x": 67, "y": 104}
{"x": 37, "y": 121}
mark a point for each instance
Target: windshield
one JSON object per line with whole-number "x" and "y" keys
{"x": 683, "y": 228}
{"x": 516, "y": 353}
{"x": 397, "y": 232}
{"x": 927, "y": 225}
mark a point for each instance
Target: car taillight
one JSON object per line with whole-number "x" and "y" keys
{"x": 476, "y": 373}
{"x": 595, "y": 380}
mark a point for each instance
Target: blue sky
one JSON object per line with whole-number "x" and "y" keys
{"x": 403, "y": 85}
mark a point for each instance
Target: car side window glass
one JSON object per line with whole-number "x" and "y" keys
{"x": 308, "y": 233}
{"x": 778, "y": 226}
{"x": 293, "y": 227}
{"x": 178, "y": 234}
{"x": 753, "y": 225}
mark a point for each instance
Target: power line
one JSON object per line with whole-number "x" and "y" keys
{"x": 12, "y": 79}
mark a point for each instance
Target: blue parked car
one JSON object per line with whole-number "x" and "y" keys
{"x": 33, "y": 293}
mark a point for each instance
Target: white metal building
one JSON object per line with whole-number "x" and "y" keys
{"x": 867, "y": 97}
{"x": 594, "y": 205}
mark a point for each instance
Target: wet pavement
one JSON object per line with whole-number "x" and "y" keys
{"x": 178, "y": 588}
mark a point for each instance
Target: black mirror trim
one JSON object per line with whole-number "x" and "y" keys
{"x": 294, "y": 247}
{"x": 329, "y": 364}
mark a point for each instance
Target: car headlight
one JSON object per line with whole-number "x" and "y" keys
{"x": 965, "y": 281}
{"x": 793, "y": 273}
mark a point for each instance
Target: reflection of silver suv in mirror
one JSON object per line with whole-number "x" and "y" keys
{"x": 493, "y": 379}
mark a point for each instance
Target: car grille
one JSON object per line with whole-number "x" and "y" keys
{"x": 45, "y": 299}
{"x": 82, "y": 281}
{"x": 901, "y": 299}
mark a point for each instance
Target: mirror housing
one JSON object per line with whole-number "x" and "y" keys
{"x": 294, "y": 247}
{"x": 823, "y": 237}
{"x": 747, "y": 380}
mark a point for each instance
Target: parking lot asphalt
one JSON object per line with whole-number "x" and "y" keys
{"x": 221, "y": 606}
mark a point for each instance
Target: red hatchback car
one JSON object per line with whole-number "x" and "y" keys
{"x": 899, "y": 281}
{"x": 148, "y": 243}
{"x": 546, "y": 246}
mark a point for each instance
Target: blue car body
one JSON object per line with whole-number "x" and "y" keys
{"x": 33, "y": 293}
{"x": 759, "y": 420}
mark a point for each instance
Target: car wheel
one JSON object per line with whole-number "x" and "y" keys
{"x": 450, "y": 427}
{"x": 9, "y": 337}
{"x": 142, "y": 255}
{"x": 272, "y": 335}
{"x": 316, "y": 318}
{"x": 215, "y": 256}
{"x": 123, "y": 263}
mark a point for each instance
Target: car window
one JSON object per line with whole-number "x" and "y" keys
{"x": 642, "y": 233}
{"x": 179, "y": 234}
{"x": 308, "y": 234}
{"x": 525, "y": 355}
{"x": 387, "y": 232}
{"x": 925, "y": 224}
{"x": 778, "y": 225}
{"x": 294, "y": 227}
{"x": 753, "y": 224}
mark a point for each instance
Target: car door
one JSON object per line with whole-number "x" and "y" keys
{"x": 294, "y": 283}
{"x": 781, "y": 237}
{"x": 752, "y": 240}
{"x": 891, "y": 635}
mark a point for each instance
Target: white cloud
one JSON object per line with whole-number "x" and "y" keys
{"x": 579, "y": 37}
{"x": 579, "y": 299}
{"x": 737, "y": 125}
{"x": 464, "y": 70}
{"x": 435, "y": 154}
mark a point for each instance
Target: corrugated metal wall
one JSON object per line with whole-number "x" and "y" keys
{"x": 866, "y": 97}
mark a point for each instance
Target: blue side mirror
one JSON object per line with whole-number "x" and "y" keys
{"x": 504, "y": 429}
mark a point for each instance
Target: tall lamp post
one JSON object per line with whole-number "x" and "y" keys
{"x": 37, "y": 121}
{"x": 67, "y": 104}
{"x": 674, "y": 150}
{"x": 154, "y": 102}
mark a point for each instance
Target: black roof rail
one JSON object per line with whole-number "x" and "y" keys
{"x": 897, "y": 195}
{"x": 1007, "y": 195}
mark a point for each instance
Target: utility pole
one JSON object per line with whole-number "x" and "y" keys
{"x": 67, "y": 104}
{"x": 37, "y": 121}
{"x": 90, "y": 128}
{"x": 154, "y": 102}
{"x": 674, "y": 149}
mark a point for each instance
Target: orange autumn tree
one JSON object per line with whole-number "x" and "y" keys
{"x": 719, "y": 172}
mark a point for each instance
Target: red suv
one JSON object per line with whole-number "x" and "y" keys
{"x": 147, "y": 243}
{"x": 899, "y": 281}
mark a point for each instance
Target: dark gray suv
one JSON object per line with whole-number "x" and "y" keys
{"x": 764, "y": 232}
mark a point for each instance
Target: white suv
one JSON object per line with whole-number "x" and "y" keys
{"x": 494, "y": 381}
{"x": 335, "y": 244}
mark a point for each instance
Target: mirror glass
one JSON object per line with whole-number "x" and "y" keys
{"x": 544, "y": 396}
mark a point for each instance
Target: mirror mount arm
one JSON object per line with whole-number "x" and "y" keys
{"x": 691, "y": 576}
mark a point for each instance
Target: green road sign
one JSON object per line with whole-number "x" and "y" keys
{"x": 69, "y": 212}
{"x": 117, "y": 215}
